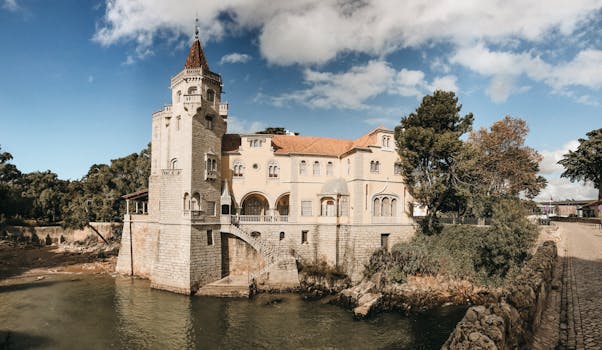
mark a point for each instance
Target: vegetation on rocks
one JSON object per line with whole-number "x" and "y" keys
{"x": 484, "y": 255}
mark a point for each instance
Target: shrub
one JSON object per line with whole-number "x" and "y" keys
{"x": 322, "y": 269}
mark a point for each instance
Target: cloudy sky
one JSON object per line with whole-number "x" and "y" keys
{"x": 81, "y": 78}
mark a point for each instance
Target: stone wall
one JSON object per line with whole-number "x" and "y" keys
{"x": 58, "y": 234}
{"x": 238, "y": 257}
{"x": 138, "y": 257}
{"x": 510, "y": 322}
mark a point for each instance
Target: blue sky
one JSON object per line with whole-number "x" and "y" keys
{"x": 80, "y": 79}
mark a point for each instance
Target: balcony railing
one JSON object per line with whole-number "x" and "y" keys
{"x": 223, "y": 109}
{"x": 171, "y": 172}
{"x": 195, "y": 98}
{"x": 259, "y": 218}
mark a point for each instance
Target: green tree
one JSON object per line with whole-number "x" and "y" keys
{"x": 585, "y": 163}
{"x": 429, "y": 146}
{"x": 274, "y": 131}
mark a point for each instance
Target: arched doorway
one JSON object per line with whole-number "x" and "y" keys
{"x": 282, "y": 205}
{"x": 255, "y": 204}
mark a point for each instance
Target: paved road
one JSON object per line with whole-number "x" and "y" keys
{"x": 581, "y": 299}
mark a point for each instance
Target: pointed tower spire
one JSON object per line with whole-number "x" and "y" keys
{"x": 196, "y": 56}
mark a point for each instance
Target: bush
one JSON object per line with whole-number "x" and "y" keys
{"x": 322, "y": 269}
{"x": 486, "y": 255}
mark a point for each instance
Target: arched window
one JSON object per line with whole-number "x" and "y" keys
{"x": 192, "y": 90}
{"x": 238, "y": 169}
{"x": 393, "y": 207}
{"x": 328, "y": 207}
{"x": 376, "y": 207}
{"x": 210, "y": 95}
{"x": 186, "y": 203}
{"x": 302, "y": 168}
{"x": 195, "y": 202}
{"x": 178, "y": 119}
{"x": 316, "y": 168}
{"x": 386, "y": 207}
{"x": 173, "y": 164}
{"x": 209, "y": 122}
{"x": 329, "y": 169}
{"x": 178, "y": 96}
{"x": 374, "y": 166}
{"x": 273, "y": 169}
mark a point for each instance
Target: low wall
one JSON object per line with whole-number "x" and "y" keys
{"x": 510, "y": 322}
{"x": 576, "y": 219}
{"x": 58, "y": 234}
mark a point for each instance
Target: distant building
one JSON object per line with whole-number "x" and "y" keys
{"x": 568, "y": 208}
{"x": 223, "y": 204}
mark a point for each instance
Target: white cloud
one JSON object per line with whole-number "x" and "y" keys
{"x": 11, "y": 5}
{"x": 506, "y": 68}
{"x": 561, "y": 188}
{"x": 242, "y": 126}
{"x": 353, "y": 88}
{"x": 316, "y": 31}
{"x": 235, "y": 58}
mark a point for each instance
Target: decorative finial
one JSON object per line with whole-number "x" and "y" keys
{"x": 196, "y": 27}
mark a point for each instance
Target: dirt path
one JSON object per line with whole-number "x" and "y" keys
{"x": 573, "y": 318}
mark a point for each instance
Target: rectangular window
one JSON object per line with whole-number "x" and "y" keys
{"x": 306, "y": 208}
{"x": 344, "y": 206}
{"x": 384, "y": 241}
{"x": 209, "y": 237}
{"x": 329, "y": 169}
{"x": 211, "y": 208}
{"x": 281, "y": 236}
{"x": 304, "y": 236}
{"x": 397, "y": 168}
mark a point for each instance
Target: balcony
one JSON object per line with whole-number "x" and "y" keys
{"x": 171, "y": 172}
{"x": 194, "y": 98}
{"x": 223, "y": 109}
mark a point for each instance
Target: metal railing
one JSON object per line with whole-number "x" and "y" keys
{"x": 259, "y": 218}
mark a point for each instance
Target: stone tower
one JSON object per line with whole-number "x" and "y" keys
{"x": 185, "y": 181}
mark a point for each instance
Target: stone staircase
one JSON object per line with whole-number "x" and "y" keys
{"x": 280, "y": 271}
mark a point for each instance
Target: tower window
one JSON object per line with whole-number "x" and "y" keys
{"x": 178, "y": 96}
{"x": 281, "y": 236}
{"x": 209, "y": 237}
{"x": 397, "y": 168}
{"x": 209, "y": 122}
{"x": 178, "y": 119}
{"x": 304, "y": 236}
{"x": 210, "y": 167}
{"x": 192, "y": 90}
{"x": 210, "y": 95}
{"x": 329, "y": 169}
{"x": 173, "y": 164}
{"x": 255, "y": 143}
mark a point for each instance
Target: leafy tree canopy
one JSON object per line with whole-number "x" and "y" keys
{"x": 585, "y": 163}
{"x": 429, "y": 147}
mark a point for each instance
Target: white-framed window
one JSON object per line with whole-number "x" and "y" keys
{"x": 255, "y": 143}
{"x": 329, "y": 169}
{"x": 328, "y": 207}
{"x": 210, "y": 167}
{"x": 386, "y": 142}
{"x": 302, "y": 168}
{"x": 384, "y": 205}
{"x": 273, "y": 170}
{"x": 374, "y": 166}
{"x": 195, "y": 202}
{"x": 238, "y": 169}
{"x": 316, "y": 168}
{"x": 306, "y": 208}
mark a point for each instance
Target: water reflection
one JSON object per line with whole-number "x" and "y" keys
{"x": 122, "y": 313}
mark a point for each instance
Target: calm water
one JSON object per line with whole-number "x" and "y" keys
{"x": 100, "y": 312}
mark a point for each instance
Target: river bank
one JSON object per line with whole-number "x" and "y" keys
{"x": 22, "y": 259}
